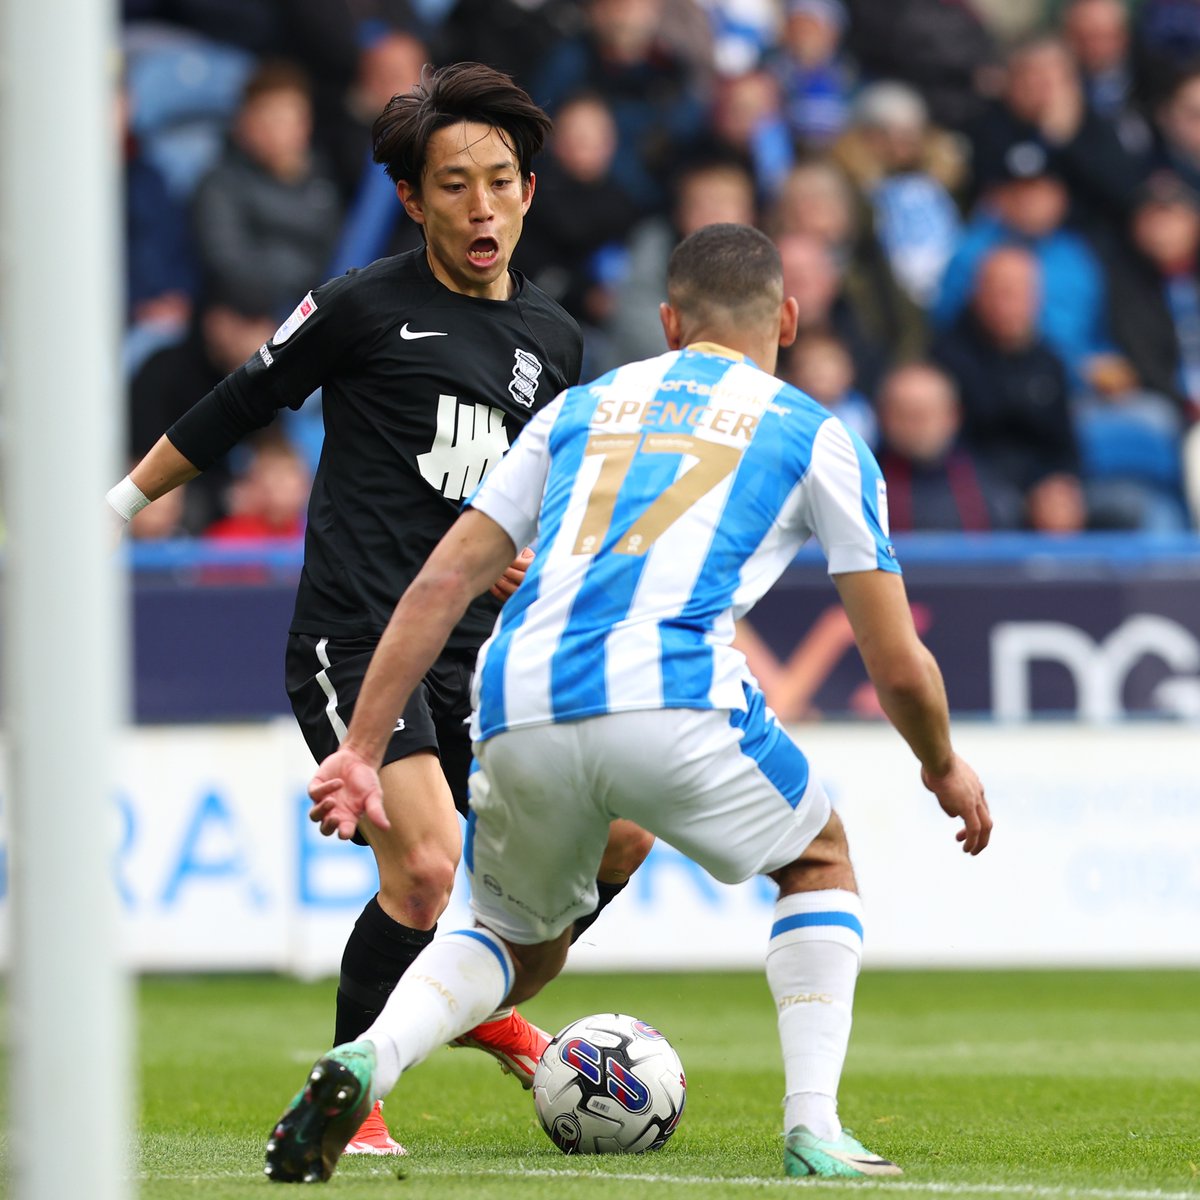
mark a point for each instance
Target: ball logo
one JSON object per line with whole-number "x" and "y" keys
{"x": 626, "y": 1088}
{"x": 583, "y": 1058}
{"x": 565, "y": 1133}
{"x": 647, "y": 1031}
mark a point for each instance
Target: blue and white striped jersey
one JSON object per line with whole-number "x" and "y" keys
{"x": 664, "y": 499}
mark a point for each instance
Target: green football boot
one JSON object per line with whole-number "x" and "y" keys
{"x": 309, "y": 1138}
{"x": 805, "y": 1154}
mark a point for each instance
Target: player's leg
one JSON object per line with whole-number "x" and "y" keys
{"x": 812, "y": 966}
{"x": 416, "y": 859}
{"x": 505, "y": 1034}
{"x": 628, "y": 846}
{"x": 529, "y": 793}
{"x": 735, "y": 796}
{"x": 452, "y": 984}
{"x": 464, "y": 975}
{"x": 813, "y": 960}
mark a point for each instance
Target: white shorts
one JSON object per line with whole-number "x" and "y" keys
{"x": 729, "y": 789}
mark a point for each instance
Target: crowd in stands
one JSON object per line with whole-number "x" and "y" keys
{"x": 987, "y": 210}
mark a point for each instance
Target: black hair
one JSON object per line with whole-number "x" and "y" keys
{"x": 735, "y": 268}
{"x": 459, "y": 92}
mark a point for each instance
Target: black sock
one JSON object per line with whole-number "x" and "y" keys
{"x": 608, "y": 893}
{"x": 377, "y": 953}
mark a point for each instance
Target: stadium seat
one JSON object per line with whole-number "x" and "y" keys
{"x": 1132, "y": 464}
{"x": 183, "y": 89}
{"x": 1116, "y": 443}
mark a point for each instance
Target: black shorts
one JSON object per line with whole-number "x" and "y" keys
{"x": 324, "y": 676}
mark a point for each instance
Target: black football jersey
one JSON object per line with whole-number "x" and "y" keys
{"x": 423, "y": 390}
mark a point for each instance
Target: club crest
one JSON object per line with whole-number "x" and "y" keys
{"x": 524, "y": 383}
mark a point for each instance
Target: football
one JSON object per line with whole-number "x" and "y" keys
{"x": 609, "y": 1084}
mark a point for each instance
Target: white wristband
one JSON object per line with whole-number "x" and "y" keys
{"x": 126, "y": 498}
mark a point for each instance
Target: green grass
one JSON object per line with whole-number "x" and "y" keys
{"x": 979, "y": 1084}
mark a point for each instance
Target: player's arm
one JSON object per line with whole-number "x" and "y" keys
{"x": 163, "y": 469}
{"x": 203, "y": 435}
{"x": 910, "y": 689}
{"x": 463, "y": 564}
{"x": 282, "y": 373}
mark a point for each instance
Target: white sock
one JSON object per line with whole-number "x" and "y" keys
{"x": 812, "y": 965}
{"x": 498, "y": 1015}
{"x": 452, "y": 985}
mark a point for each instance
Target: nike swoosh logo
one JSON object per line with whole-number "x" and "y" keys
{"x": 409, "y": 336}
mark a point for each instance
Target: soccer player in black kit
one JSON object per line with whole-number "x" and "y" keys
{"x": 430, "y": 364}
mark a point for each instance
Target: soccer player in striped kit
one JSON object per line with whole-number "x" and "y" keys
{"x": 665, "y": 498}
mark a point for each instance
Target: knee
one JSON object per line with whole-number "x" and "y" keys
{"x": 628, "y": 846}
{"x": 418, "y": 884}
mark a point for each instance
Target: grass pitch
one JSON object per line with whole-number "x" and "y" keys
{"x": 980, "y": 1084}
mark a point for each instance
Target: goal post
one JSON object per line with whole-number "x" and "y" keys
{"x": 65, "y": 666}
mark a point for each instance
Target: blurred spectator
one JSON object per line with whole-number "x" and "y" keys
{"x": 1009, "y": 20}
{"x": 818, "y": 199}
{"x": 905, "y": 169}
{"x": 941, "y": 48}
{"x": 747, "y": 118}
{"x": 515, "y": 36}
{"x": 743, "y": 31}
{"x": 1155, "y": 292}
{"x": 706, "y": 192}
{"x": 267, "y": 215}
{"x": 812, "y": 277}
{"x": 222, "y": 337}
{"x": 813, "y": 74}
{"x": 375, "y": 225}
{"x": 686, "y": 32}
{"x": 1166, "y": 44}
{"x": 580, "y": 211}
{"x": 1097, "y": 34}
{"x": 820, "y": 364}
{"x": 1017, "y": 418}
{"x": 1044, "y": 104}
{"x": 654, "y": 96}
{"x": 1025, "y": 203}
{"x": 933, "y": 482}
{"x": 1130, "y": 433}
{"x": 388, "y": 61}
{"x": 268, "y": 500}
{"x": 1177, "y": 120}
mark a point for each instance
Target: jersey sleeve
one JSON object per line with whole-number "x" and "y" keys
{"x": 846, "y": 502}
{"x": 313, "y": 343}
{"x": 512, "y": 493}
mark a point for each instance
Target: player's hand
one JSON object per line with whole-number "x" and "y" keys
{"x": 960, "y": 794}
{"x": 511, "y": 579}
{"x": 344, "y": 788}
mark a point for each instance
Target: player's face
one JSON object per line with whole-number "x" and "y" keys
{"x": 472, "y": 204}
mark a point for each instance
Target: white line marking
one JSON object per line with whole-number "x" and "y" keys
{"x": 414, "y": 1170}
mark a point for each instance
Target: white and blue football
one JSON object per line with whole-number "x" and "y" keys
{"x": 609, "y": 1084}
